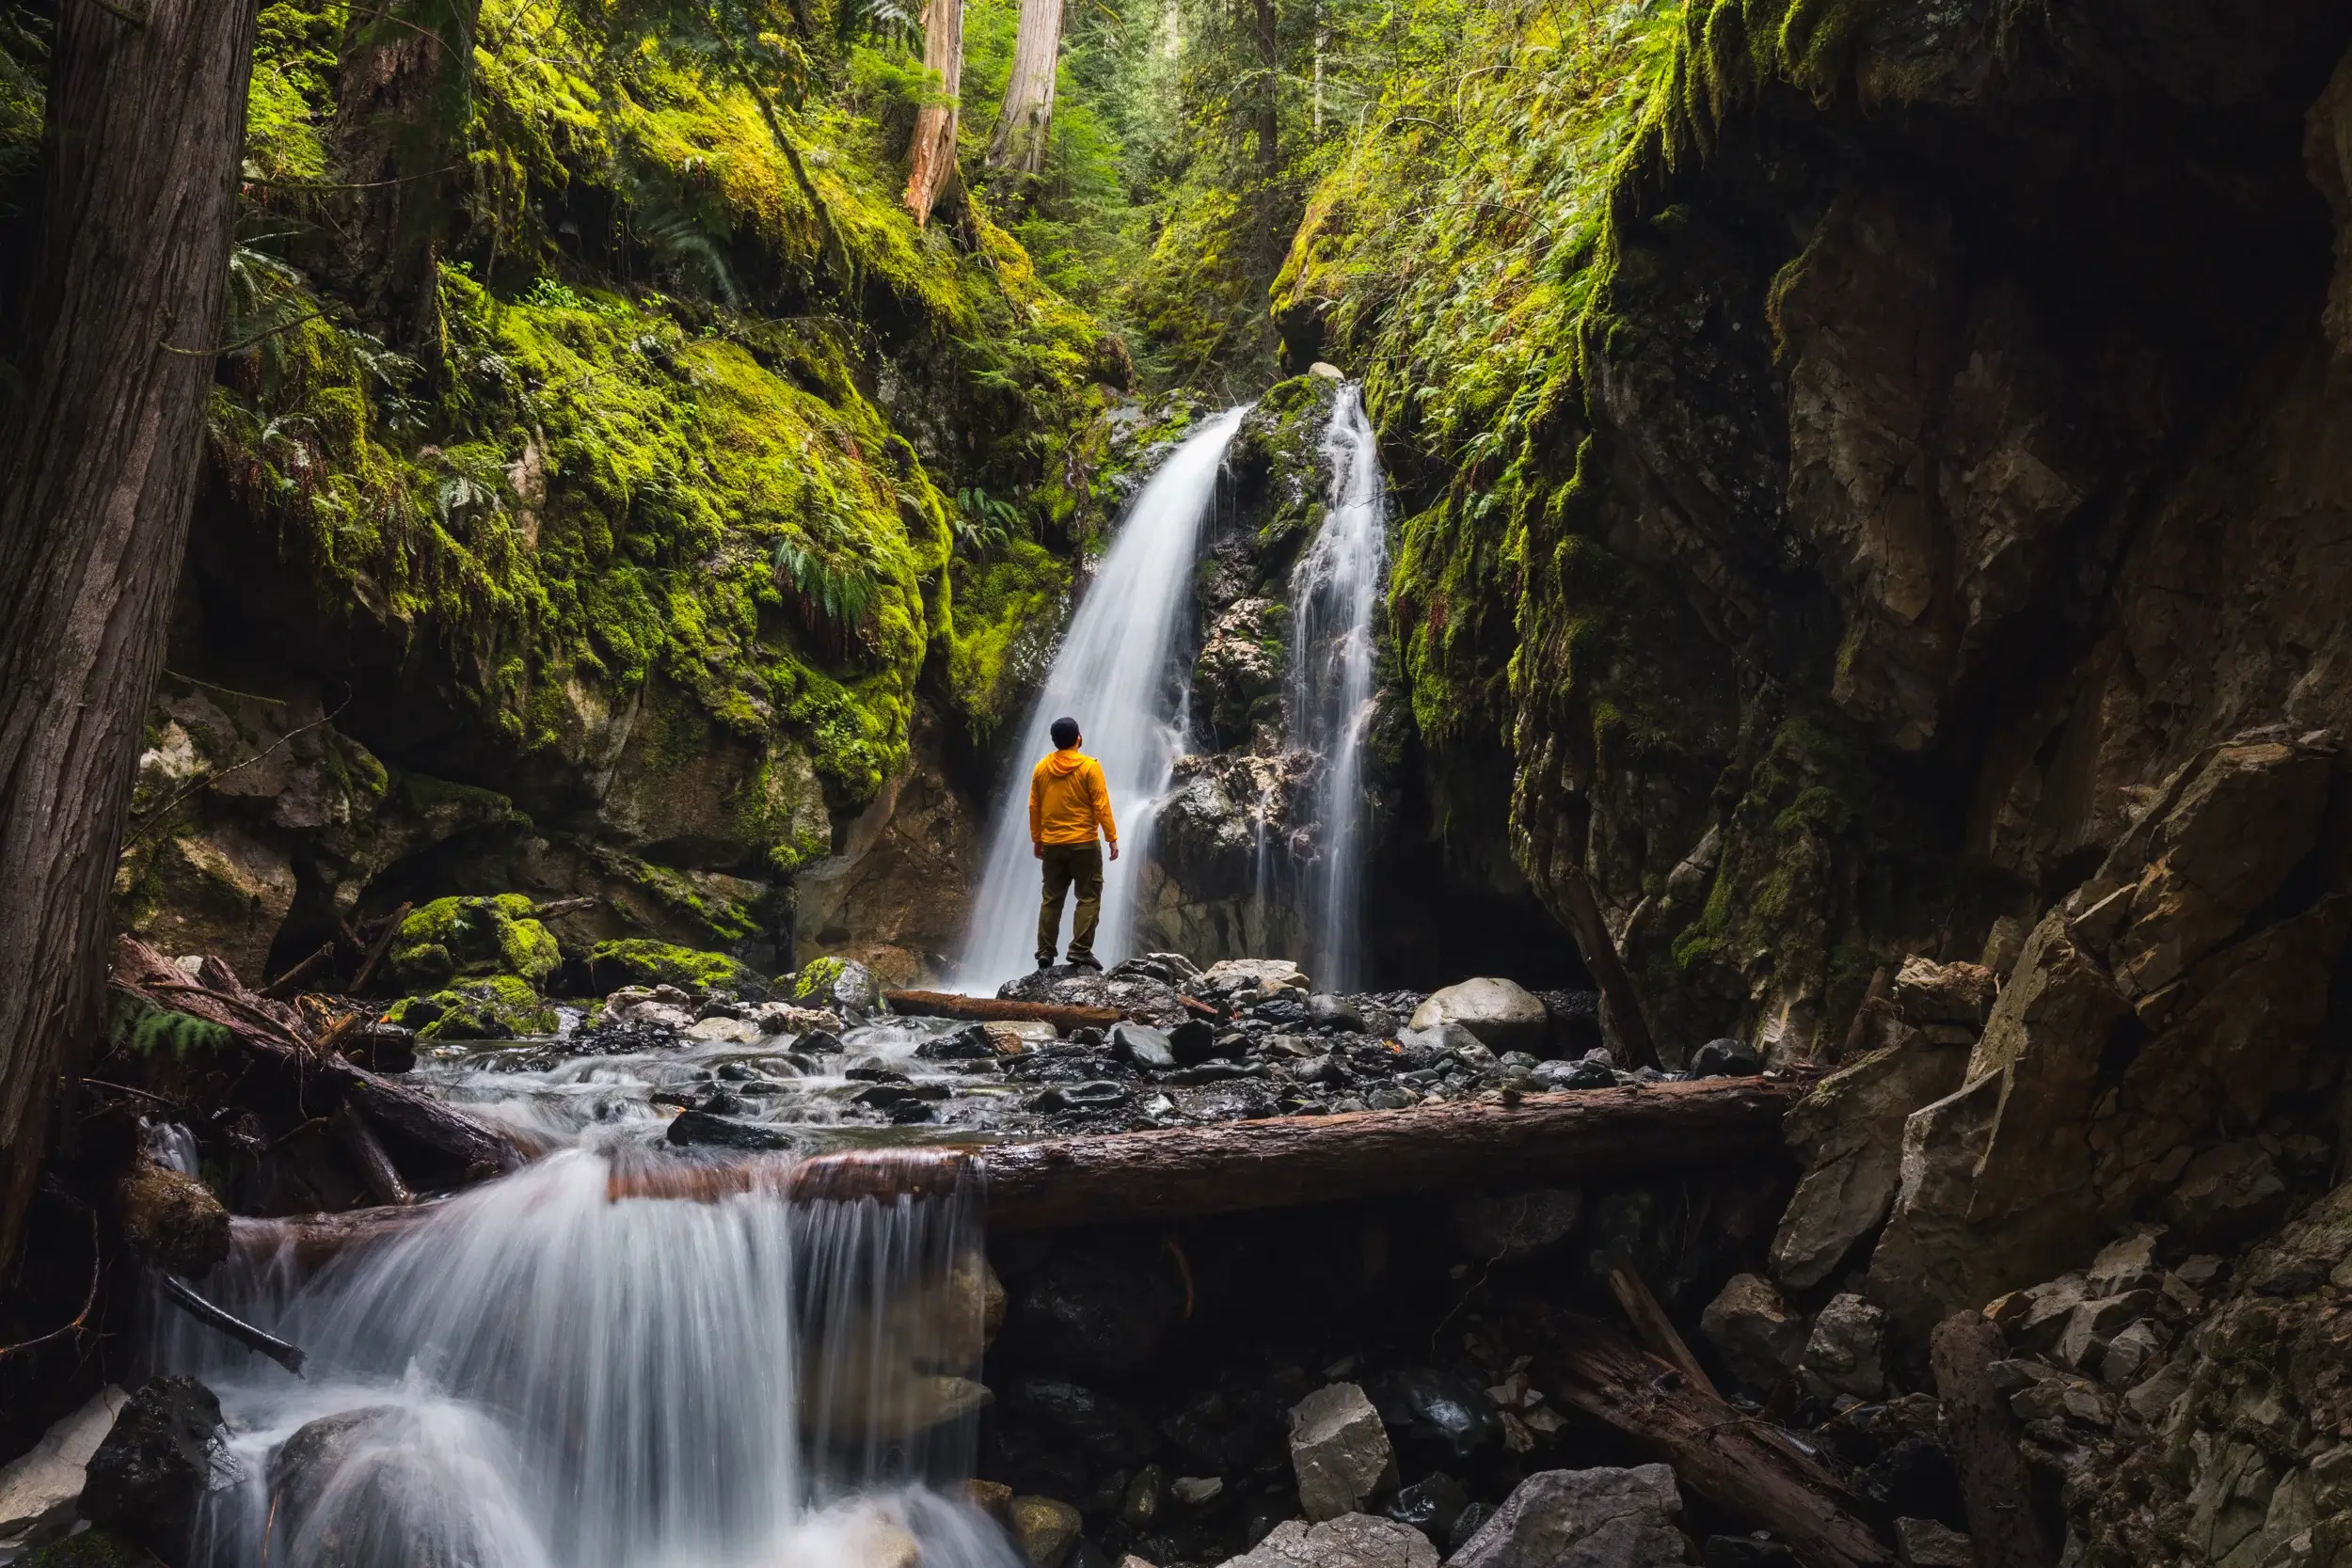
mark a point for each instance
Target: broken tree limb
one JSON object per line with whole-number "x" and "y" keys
{"x": 1623, "y": 1007}
{"x": 382, "y": 946}
{"x": 1982, "y": 1436}
{"x": 312, "y": 1239}
{"x": 1654, "y": 1328}
{"x": 383, "y": 1177}
{"x": 1750, "y": 1471}
{"x": 236, "y": 1328}
{"x": 991, "y": 1009}
{"x": 479, "y": 1149}
{"x": 284, "y": 985}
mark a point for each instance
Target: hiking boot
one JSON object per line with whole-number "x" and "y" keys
{"x": 1085, "y": 960}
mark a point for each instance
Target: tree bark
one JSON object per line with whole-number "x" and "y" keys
{"x": 1022, "y": 130}
{"x": 1753, "y": 1473}
{"x": 989, "y": 1009}
{"x": 1621, "y": 1007}
{"x": 932, "y": 157}
{"x": 98, "y": 462}
{"x": 398, "y": 95}
{"x": 1982, "y": 1435}
{"x": 1270, "y": 89}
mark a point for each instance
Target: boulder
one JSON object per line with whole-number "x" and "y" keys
{"x": 38, "y": 1490}
{"x": 1848, "y": 1134}
{"x": 1504, "y": 1015}
{"x": 1349, "y": 1540}
{"x": 1046, "y": 1527}
{"x": 1430, "y": 1505}
{"x": 1144, "y": 1046}
{"x": 1236, "y": 979}
{"x": 1757, "y": 1334}
{"x": 1928, "y": 994}
{"x": 1597, "y": 1518}
{"x": 779, "y": 1018}
{"x": 2226, "y": 1195}
{"x": 1339, "y": 1451}
{"x": 452, "y": 939}
{"x": 147, "y": 1477}
{"x": 843, "y": 986}
{"x": 1845, "y": 1355}
{"x": 171, "y": 1219}
{"x": 1504, "y": 1227}
{"x": 1325, "y": 1011}
{"x": 1725, "y": 1058}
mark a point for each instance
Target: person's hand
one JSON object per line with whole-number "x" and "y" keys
{"x": 1114, "y": 849}
{"x": 1038, "y": 849}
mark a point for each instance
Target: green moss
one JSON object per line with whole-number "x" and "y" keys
{"x": 816, "y": 976}
{"x": 1008, "y": 609}
{"x": 640, "y": 961}
{"x": 90, "y": 1549}
{"x": 453, "y": 937}
{"x": 498, "y": 1008}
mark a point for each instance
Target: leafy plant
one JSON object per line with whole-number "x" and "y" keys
{"x": 834, "y": 593}
{"x": 984, "y": 523}
{"x": 139, "y": 1026}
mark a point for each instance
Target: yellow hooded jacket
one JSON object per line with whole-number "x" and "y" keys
{"x": 1067, "y": 798}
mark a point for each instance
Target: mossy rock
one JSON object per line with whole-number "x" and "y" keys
{"x": 642, "y": 962}
{"x": 841, "y": 984}
{"x": 90, "y": 1549}
{"x": 499, "y": 1007}
{"x": 451, "y": 938}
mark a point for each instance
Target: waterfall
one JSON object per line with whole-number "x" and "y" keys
{"x": 1113, "y": 675}
{"x": 1334, "y": 590}
{"x": 539, "y": 1375}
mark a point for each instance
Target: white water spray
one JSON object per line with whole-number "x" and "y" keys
{"x": 1112, "y": 675}
{"x": 1334, "y": 590}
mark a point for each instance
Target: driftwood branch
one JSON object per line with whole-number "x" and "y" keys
{"x": 236, "y": 1328}
{"x": 1983, "y": 1439}
{"x": 1657, "y": 1330}
{"x": 990, "y": 1009}
{"x": 382, "y": 946}
{"x": 1749, "y": 1471}
{"x": 1623, "y": 1007}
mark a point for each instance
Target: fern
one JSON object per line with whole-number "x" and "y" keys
{"x": 984, "y": 523}
{"x": 140, "y": 1028}
{"x": 836, "y": 596}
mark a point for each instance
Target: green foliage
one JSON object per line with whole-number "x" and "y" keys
{"x": 142, "y": 1029}
{"x": 496, "y": 1007}
{"x": 452, "y": 937}
{"x": 90, "y": 1549}
{"x": 640, "y": 961}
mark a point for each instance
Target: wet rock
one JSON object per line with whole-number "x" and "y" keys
{"x": 733, "y": 1031}
{"x": 779, "y": 1018}
{"x": 1755, "y": 1331}
{"x": 1146, "y": 1494}
{"x": 820, "y": 1043}
{"x": 970, "y": 1043}
{"x": 1242, "y": 1100}
{"x": 1430, "y": 1505}
{"x": 1339, "y": 1451}
{"x": 166, "y": 1451}
{"x": 1196, "y": 1040}
{"x": 1470, "y": 1521}
{"x": 1325, "y": 1011}
{"x": 1104, "y": 1310}
{"x": 1101, "y": 1094}
{"x": 1138, "y": 996}
{"x": 1597, "y": 1518}
{"x": 1845, "y": 1354}
{"x": 1192, "y": 1491}
{"x": 1046, "y": 1527}
{"x": 1236, "y": 978}
{"x": 1725, "y": 1058}
{"x": 991, "y": 1497}
{"x": 172, "y": 1219}
{"x": 1144, "y": 1046}
{"x": 842, "y": 985}
{"x": 701, "y": 1128}
{"x": 38, "y": 1490}
{"x": 1169, "y": 969}
{"x": 2225, "y": 1196}
{"x": 1588, "y": 1073}
{"x": 1437, "y": 1413}
{"x": 1746, "y": 1551}
{"x": 1347, "y": 1540}
{"x": 1925, "y": 1543}
{"x": 1510, "y": 1227}
{"x": 1504, "y": 1015}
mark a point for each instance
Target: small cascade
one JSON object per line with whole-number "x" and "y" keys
{"x": 1335, "y": 588}
{"x": 1114, "y": 674}
{"x": 540, "y": 1374}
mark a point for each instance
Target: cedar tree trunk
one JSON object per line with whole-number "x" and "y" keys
{"x": 399, "y": 86}
{"x": 933, "y": 154}
{"x": 98, "y": 464}
{"x": 1022, "y": 129}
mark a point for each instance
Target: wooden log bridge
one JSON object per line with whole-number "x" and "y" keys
{"x": 1190, "y": 1172}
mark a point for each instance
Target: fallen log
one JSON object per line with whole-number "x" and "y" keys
{"x": 991, "y": 1009}
{"x": 1657, "y": 1330}
{"x": 1982, "y": 1435}
{"x": 375, "y": 1164}
{"x": 1755, "y": 1474}
{"x": 312, "y": 1240}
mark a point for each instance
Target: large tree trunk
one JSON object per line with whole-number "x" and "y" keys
{"x": 1270, "y": 89}
{"x": 97, "y": 463}
{"x": 1022, "y": 130}
{"x": 932, "y": 159}
{"x": 400, "y": 90}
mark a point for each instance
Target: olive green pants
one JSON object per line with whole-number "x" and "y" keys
{"x": 1066, "y": 864}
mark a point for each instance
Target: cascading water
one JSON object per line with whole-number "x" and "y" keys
{"x": 540, "y": 1375}
{"x": 1112, "y": 675}
{"x": 1334, "y": 590}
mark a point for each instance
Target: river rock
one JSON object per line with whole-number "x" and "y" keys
{"x": 971, "y": 1043}
{"x": 1755, "y": 1331}
{"x": 1325, "y": 1011}
{"x": 171, "y": 1219}
{"x": 1339, "y": 1451}
{"x": 1047, "y": 1528}
{"x": 1430, "y": 1505}
{"x": 780, "y": 1018}
{"x": 1140, "y": 997}
{"x": 1845, "y": 1354}
{"x": 39, "y": 1490}
{"x": 728, "y": 1031}
{"x": 1437, "y": 1413}
{"x": 1349, "y": 1540}
{"x": 1234, "y": 980}
{"x": 1504, "y": 1015}
{"x": 700, "y": 1129}
{"x": 1143, "y": 1045}
{"x": 1239, "y": 1100}
{"x": 1597, "y": 1518}
{"x": 1508, "y": 1226}
{"x": 1927, "y": 1544}
{"x": 147, "y": 1478}
{"x": 1725, "y": 1058}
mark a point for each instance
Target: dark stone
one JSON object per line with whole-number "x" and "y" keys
{"x": 1325, "y": 1011}
{"x": 1278, "y": 1010}
{"x": 820, "y": 1043}
{"x": 1143, "y": 1045}
{"x": 883, "y": 1096}
{"x": 735, "y": 1072}
{"x": 1195, "y": 1040}
{"x": 1745, "y": 1551}
{"x": 969, "y": 1044}
{"x": 703, "y": 1130}
{"x": 1435, "y": 1411}
{"x": 1243, "y": 1099}
{"x": 1101, "y": 1094}
{"x": 148, "y": 1477}
{"x": 1466, "y": 1524}
{"x": 719, "y": 1103}
{"x": 1725, "y": 1058}
{"x": 866, "y": 1073}
{"x": 1106, "y": 1309}
{"x": 1211, "y": 1072}
{"x": 910, "y": 1112}
{"x": 1430, "y": 1505}
{"x": 1587, "y": 1074}
{"x": 1094, "y": 1423}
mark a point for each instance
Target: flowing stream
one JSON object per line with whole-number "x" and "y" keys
{"x": 1335, "y": 588}
{"x": 540, "y": 1375}
{"x": 1113, "y": 675}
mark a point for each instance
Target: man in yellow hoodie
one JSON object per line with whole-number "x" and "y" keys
{"x": 1068, "y": 801}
